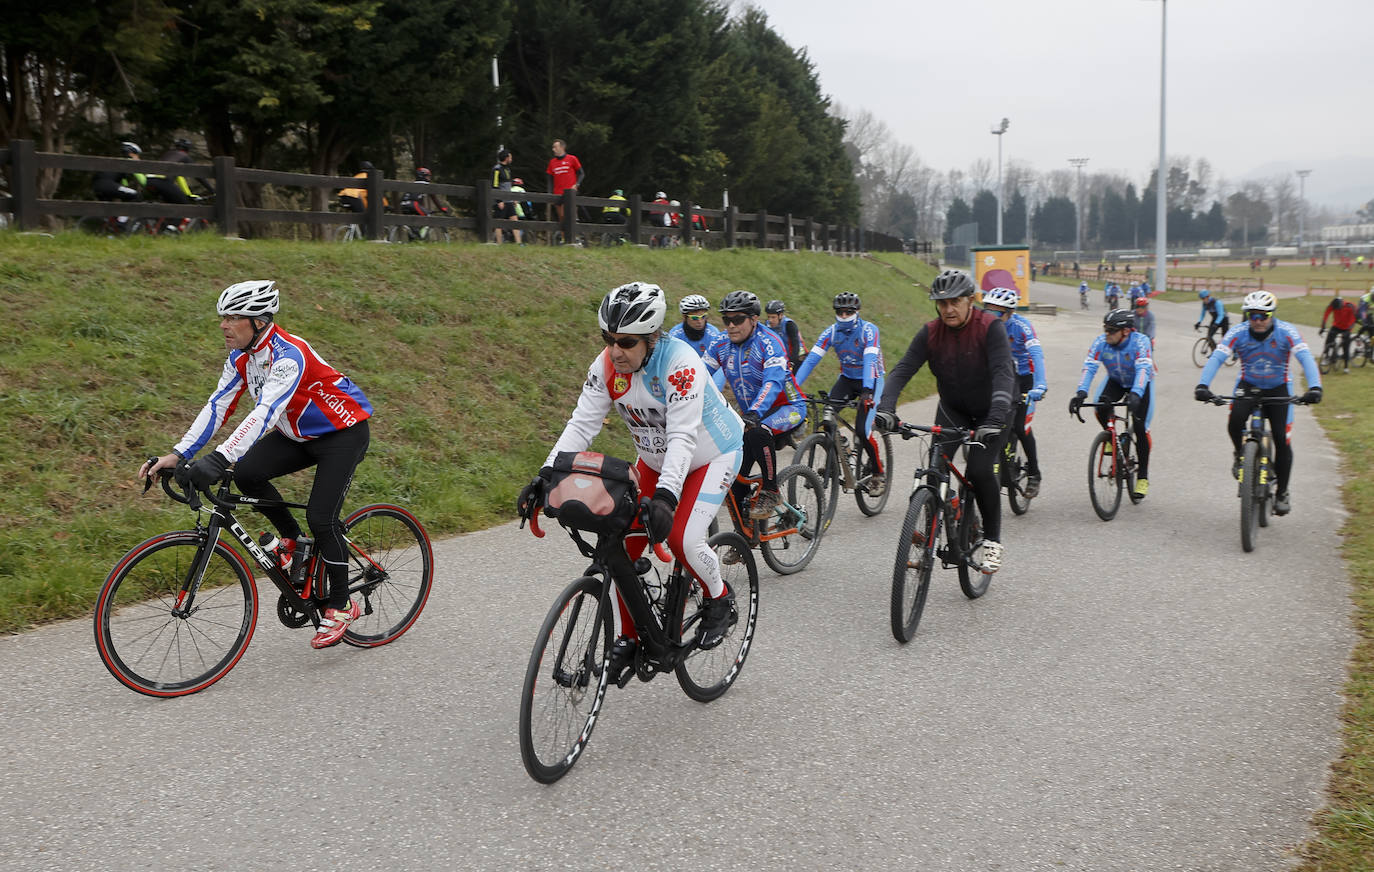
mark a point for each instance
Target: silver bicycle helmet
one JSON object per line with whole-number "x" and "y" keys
{"x": 693, "y": 303}
{"x": 1008, "y": 298}
{"x": 252, "y": 299}
{"x": 637, "y": 307}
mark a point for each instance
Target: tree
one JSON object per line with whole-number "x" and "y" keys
{"x": 958, "y": 214}
{"x": 1248, "y": 213}
{"x": 985, "y": 213}
{"x": 1014, "y": 219}
{"x": 1055, "y": 221}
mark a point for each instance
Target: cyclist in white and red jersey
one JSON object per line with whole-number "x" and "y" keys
{"x": 305, "y": 413}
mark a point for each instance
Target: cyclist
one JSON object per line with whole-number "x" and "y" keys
{"x": 110, "y": 185}
{"x": 695, "y": 329}
{"x": 1127, "y": 357}
{"x": 175, "y": 189}
{"x": 305, "y": 413}
{"x": 619, "y": 213}
{"x": 1342, "y": 315}
{"x": 355, "y": 199}
{"x": 753, "y": 359}
{"x": 1212, "y": 307}
{"x": 1263, "y": 343}
{"x": 1083, "y": 294}
{"x": 1030, "y": 374}
{"x": 969, "y": 354}
{"x": 1137, "y": 292}
{"x": 422, "y": 202}
{"x": 1364, "y": 313}
{"x": 686, "y": 436}
{"x": 1111, "y": 292}
{"x": 1145, "y": 319}
{"x": 855, "y": 342}
{"x": 776, "y": 315}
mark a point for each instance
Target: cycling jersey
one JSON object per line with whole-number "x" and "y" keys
{"x": 1264, "y": 359}
{"x": 1145, "y": 323}
{"x": 1214, "y": 307}
{"x": 855, "y": 343}
{"x": 700, "y": 342}
{"x": 1025, "y": 349}
{"x": 1341, "y": 313}
{"x": 973, "y": 368}
{"x": 757, "y": 372}
{"x": 293, "y": 389}
{"x": 1129, "y": 363}
{"x": 678, "y": 420}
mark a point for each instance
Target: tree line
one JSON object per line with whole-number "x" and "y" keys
{"x": 673, "y": 95}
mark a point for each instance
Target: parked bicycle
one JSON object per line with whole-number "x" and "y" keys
{"x": 836, "y": 454}
{"x": 931, "y": 511}
{"x": 178, "y": 610}
{"x": 1258, "y": 481}
{"x": 1014, "y": 471}
{"x": 788, "y": 539}
{"x": 1111, "y": 462}
{"x": 567, "y": 676}
{"x": 1202, "y": 351}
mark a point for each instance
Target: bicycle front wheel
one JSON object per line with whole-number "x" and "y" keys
{"x": 1202, "y": 349}
{"x": 706, "y": 675}
{"x": 818, "y": 453}
{"x": 1327, "y": 360}
{"x": 871, "y": 491}
{"x": 565, "y": 682}
{"x": 155, "y": 648}
{"x": 792, "y": 535}
{"x": 973, "y": 581}
{"x": 1249, "y": 496}
{"x": 390, "y": 568}
{"x": 1264, "y": 491}
{"x": 915, "y": 561}
{"x": 1104, "y": 485}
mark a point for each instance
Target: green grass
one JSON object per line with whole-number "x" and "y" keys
{"x": 472, "y": 355}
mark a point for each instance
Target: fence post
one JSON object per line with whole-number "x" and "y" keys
{"x": 372, "y": 226}
{"x": 788, "y": 243}
{"x": 570, "y": 216}
{"x": 685, "y": 231}
{"x": 484, "y": 206}
{"x": 761, "y": 230}
{"x": 731, "y": 220}
{"x": 226, "y": 196}
{"x": 636, "y": 203}
{"x": 24, "y": 177}
{"x": 810, "y": 234}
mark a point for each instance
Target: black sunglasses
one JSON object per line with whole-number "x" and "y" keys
{"x": 625, "y": 342}
{"x": 846, "y": 312}
{"x": 734, "y": 320}
{"x": 1111, "y": 331}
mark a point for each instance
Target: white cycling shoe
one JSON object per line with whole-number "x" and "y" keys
{"x": 992, "y": 556}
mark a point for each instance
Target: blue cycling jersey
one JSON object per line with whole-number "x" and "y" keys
{"x": 861, "y": 357}
{"x": 709, "y": 334}
{"x": 1129, "y": 363}
{"x": 1264, "y": 359}
{"x": 757, "y": 372}
{"x": 1025, "y": 349}
{"x": 1212, "y": 306}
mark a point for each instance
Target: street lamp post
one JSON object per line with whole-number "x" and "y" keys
{"x": 1162, "y": 180}
{"x": 1027, "y": 189}
{"x": 1302, "y": 203}
{"x": 997, "y": 132}
{"x": 1078, "y": 163}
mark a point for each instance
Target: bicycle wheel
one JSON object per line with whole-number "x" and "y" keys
{"x": 914, "y": 563}
{"x": 706, "y": 675}
{"x": 871, "y": 503}
{"x": 1126, "y": 466}
{"x": 969, "y": 543}
{"x": 1359, "y": 351}
{"x": 791, "y": 536}
{"x": 391, "y": 568}
{"x": 1104, "y": 485}
{"x": 1264, "y": 492}
{"x": 1015, "y": 477}
{"x": 146, "y": 644}
{"x": 565, "y": 682}
{"x": 1327, "y": 359}
{"x": 1249, "y": 487}
{"x": 818, "y": 453}
{"x": 1202, "y": 349}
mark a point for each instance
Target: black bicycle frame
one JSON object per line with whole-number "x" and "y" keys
{"x": 660, "y": 645}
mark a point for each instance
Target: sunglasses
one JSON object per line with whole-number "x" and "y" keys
{"x": 734, "y": 320}
{"x": 846, "y": 312}
{"x": 696, "y": 317}
{"x": 1112, "y": 331}
{"x": 625, "y": 342}
{"x": 1258, "y": 316}
{"x": 996, "y": 311}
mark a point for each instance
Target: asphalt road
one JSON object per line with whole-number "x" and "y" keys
{"x": 1132, "y": 695}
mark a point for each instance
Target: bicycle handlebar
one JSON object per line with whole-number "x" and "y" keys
{"x": 1219, "y": 400}
{"x": 641, "y": 514}
{"x": 1079, "y": 413}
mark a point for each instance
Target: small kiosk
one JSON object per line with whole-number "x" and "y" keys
{"x": 1002, "y": 266}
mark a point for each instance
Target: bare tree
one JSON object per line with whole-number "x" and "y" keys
{"x": 1285, "y": 199}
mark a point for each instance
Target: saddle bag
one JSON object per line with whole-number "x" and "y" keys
{"x": 592, "y": 492}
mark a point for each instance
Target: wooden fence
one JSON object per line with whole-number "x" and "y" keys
{"x": 471, "y": 215}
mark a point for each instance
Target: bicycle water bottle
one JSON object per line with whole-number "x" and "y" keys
{"x": 280, "y": 549}
{"x": 302, "y": 557}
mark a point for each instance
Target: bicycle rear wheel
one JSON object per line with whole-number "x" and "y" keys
{"x": 1202, "y": 349}
{"x": 1249, "y": 496}
{"x": 146, "y": 644}
{"x": 391, "y": 566}
{"x": 818, "y": 453}
{"x": 565, "y": 682}
{"x": 798, "y": 518}
{"x": 1104, "y": 485}
{"x": 871, "y": 503}
{"x": 914, "y": 563}
{"x": 1126, "y": 465}
{"x": 706, "y": 675}
{"x": 1015, "y": 478}
{"x": 969, "y": 543}
{"x": 1264, "y": 493}
{"x": 1359, "y": 351}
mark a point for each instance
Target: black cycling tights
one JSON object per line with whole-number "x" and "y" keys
{"x": 1112, "y": 392}
{"x": 1277, "y": 415}
{"x": 1027, "y": 437}
{"x": 759, "y": 447}
{"x": 336, "y": 456}
{"x": 846, "y": 388}
{"x": 981, "y": 471}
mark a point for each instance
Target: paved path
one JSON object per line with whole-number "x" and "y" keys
{"x": 1133, "y": 695}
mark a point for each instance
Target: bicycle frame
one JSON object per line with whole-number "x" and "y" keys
{"x": 1258, "y": 429}
{"x": 941, "y": 466}
{"x": 747, "y": 526}
{"x": 1118, "y": 471}
{"x": 833, "y": 424}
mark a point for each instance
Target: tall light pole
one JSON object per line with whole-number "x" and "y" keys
{"x": 1162, "y": 180}
{"x": 1078, "y": 162}
{"x": 1028, "y": 188}
{"x": 1302, "y": 203}
{"x": 997, "y": 132}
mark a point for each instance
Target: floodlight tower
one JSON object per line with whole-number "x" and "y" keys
{"x": 997, "y": 131}
{"x": 1078, "y": 163}
{"x": 1302, "y": 203}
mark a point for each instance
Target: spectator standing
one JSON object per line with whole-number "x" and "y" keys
{"x": 565, "y": 173}
{"x": 502, "y": 180}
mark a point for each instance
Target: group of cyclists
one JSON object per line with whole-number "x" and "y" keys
{"x": 132, "y": 185}
{"x": 1344, "y": 315}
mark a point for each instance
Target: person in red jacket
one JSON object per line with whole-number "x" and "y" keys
{"x": 566, "y": 172}
{"x": 1342, "y": 315}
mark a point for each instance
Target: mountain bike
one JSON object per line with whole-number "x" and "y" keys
{"x": 1111, "y": 462}
{"x": 567, "y": 677}
{"x": 1258, "y": 481}
{"x": 931, "y": 510}
{"x": 1013, "y": 470}
{"x": 1331, "y": 352}
{"x": 178, "y": 610}
{"x": 836, "y": 454}
{"x": 1203, "y": 348}
{"x": 788, "y": 539}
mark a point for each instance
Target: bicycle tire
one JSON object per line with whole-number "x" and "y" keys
{"x": 968, "y": 541}
{"x": 1249, "y": 484}
{"x": 1202, "y": 350}
{"x": 153, "y": 651}
{"x": 560, "y": 700}
{"x": 869, "y": 504}
{"x": 799, "y": 509}
{"x": 391, "y": 569}
{"x": 911, "y": 573}
{"x": 1126, "y": 465}
{"x": 1104, "y": 485}
{"x": 1327, "y": 359}
{"x": 1266, "y": 487}
{"x": 707, "y": 675}
{"x": 1015, "y": 479}
{"x": 818, "y": 453}
{"x": 1359, "y": 351}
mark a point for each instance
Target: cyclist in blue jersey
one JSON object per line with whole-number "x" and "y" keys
{"x": 1128, "y": 359}
{"x": 1264, "y": 344}
{"x": 1111, "y": 294}
{"x": 1083, "y": 294}
{"x": 855, "y": 343}
{"x": 1145, "y": 319}
{"x": 686, "y": 436}
{"x": 1030, "y": 374}
{"x": 776, "y": 315}
{"x": 1137, "y": 292}
{"x": 753, "y": 359}
{"x": 1212, "y": 307}
{"x": 695, "y": 330}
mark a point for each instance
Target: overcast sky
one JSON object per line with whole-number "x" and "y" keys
{"x": 1258, "y": 87}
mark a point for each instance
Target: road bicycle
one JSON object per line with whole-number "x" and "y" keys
{"x": 567, "y": 676}
{"x": 1013, "y": 470}
{"x": 1331, "y": 355}
{"x": 1082, "y": 301}
{"x": 836, "y": 454}
{"x": 788, "y": 538}
{"x": 177, "y": 611}
{"x": 1258, "y": 481}
{"x": 1111, "y": 462}
{"x": 1203, "y": 348}
{"x": 931, "y": 511}
{"x": 426, "y": 233}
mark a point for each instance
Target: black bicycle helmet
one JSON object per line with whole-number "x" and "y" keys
{"x": 1118, "y": 319}
{"x": 741, "y": 301}
{"x": 846, "y": 301}
{"x": 951, "y": 284}
{"x": 183, "y": 144}
{"x": 775, "y": 307}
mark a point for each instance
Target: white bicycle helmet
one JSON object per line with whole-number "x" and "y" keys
{"x": 637, "y": 307}
{"x": 252, "y": 299}
{"x": 1007, "y": 298}
{"x": 693, "y": 303}
{"x": 1259, "y": 301}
